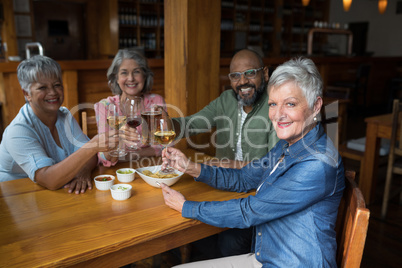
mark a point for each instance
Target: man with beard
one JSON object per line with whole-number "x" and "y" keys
{"x": 243, "y": 129}
{"x": 243, "y": 133}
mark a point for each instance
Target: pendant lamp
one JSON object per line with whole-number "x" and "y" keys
{"x": 305, "y": 2}
{"x": 346, "y": 4}
{"x": 382, "y": 6}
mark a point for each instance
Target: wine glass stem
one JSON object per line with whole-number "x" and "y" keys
{"x": 120, "y": 147}
{"x": 167, "y": 166}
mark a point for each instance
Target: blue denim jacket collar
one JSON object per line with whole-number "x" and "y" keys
{"x": 308, "y": 140}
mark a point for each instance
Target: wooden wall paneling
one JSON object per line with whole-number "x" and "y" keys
{"x": 8, "y": 29}
{"x": 70, "y": 83}
{"x": 93, "y": 39}
{"x": 108, "y": 28}
{"x": 176, "y": 58}
{"x": 204, "y": 53}
{"x": 192, "y": 38}
{"x": 14, "y": 98}
{"x": 203, "y": 83}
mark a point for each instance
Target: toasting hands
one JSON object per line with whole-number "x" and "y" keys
{"x": 178, "y": 160}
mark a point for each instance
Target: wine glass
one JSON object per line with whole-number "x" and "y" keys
{"x": 133, "y": 109}
{"x": 116, "y": 120}
{"x": 164, "y": 134}
{"x": 149, "y": 115}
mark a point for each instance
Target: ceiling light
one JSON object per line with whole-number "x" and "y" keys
{"x": 382, "y": 6}
{"x": 346, "y": 4}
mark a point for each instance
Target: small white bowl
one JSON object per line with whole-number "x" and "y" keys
{"x": 104, "y": 185}
{"x": 121, "y": 191}
{"x": 154, "y": 181}
{"x": 125, "y": 177}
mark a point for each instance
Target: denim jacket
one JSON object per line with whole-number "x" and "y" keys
{"x": 294, "y": 209}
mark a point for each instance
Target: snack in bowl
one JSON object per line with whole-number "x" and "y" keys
{"x": 104, "y": 182}
{"x": 121, "y": 191}
{"x": 159, "y": 174}
{"x": 152, "y": 176}
{"x": 125, "y": 174}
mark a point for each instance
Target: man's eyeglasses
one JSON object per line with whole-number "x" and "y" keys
{"x": 249, "y": 74}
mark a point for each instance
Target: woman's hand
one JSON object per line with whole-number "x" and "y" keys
{"x": 104, "y": 142}
{"x": 130, "y": 135}
{"x": 173, "y": 199}
{"x": 81, "y": 182}
{"x": 177, "y": 160}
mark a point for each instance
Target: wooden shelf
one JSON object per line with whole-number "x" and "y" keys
{"x": 278, "y": 27}
{"x": 141, "y": 24}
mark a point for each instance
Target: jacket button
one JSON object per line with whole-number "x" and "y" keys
{"x": 259, "y": 233}
{"x": 258, "y": 254}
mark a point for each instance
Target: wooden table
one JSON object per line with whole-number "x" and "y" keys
{"x": 43, "y": 228}
{"x": 377, "y": 127}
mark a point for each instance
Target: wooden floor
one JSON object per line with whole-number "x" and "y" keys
{"x": 384, "y": 240}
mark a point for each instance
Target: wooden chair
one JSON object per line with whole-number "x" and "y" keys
{"x": 85, "y": 121}
{"x": 357, "y": 87}
{"x": 352, "y": 224}
{"x": 395, "y": 151}
{"x": 330, "y": 114}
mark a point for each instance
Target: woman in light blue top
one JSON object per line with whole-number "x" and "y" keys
{"x": 44, "y": 142}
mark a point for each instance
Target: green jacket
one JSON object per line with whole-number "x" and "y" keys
{"x": 258, "y": 134}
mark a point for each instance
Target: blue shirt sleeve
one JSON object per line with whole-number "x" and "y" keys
{"x": 26, "y": 149}
{"x": 70, "y": 133}
{"x": 280, "y": 195}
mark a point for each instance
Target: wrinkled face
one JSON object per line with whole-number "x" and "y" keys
{"x": 46, "y": 95}
{"x": 248, "y": 89}
{"x": 130, "y": 78}
{"x": 289, "y": 112}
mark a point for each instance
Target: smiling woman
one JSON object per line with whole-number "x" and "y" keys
{"x": 44, "y": 142}
{"x": 129, "y": 77}
{"x": 299, "y": 182}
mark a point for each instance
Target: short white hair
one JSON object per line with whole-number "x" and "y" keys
{"x": 303, "y": 73}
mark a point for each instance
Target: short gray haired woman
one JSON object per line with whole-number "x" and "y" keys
{"x": 44, "y": 142}
{"x": 304, "y": 74}
{"x": 129, "y": 76}
{"x": 299, "y": 183}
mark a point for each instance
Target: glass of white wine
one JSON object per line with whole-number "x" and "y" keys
{"x": 164, "y": 134}
{"x": 116, "y": 120}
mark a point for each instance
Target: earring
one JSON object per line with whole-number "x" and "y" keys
{"x": 315, "y": 118}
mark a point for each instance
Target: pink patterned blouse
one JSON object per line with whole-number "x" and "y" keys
{"x": 100, "y": 112}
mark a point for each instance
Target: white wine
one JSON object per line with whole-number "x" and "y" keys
{"x": 116, "y": 122}
{"x": 149, "y": 118}
{"x": 164, "y": 137}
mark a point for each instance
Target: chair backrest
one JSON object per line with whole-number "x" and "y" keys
{"x": 397, "y": 108}
{"x": 85, "y": 121}
{"x": 362, "y": 75}
{"x": 351, "y": 225}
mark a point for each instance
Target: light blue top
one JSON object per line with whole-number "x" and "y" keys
{"x": 295, "y": 208}
{"x": 28, "y": 145}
